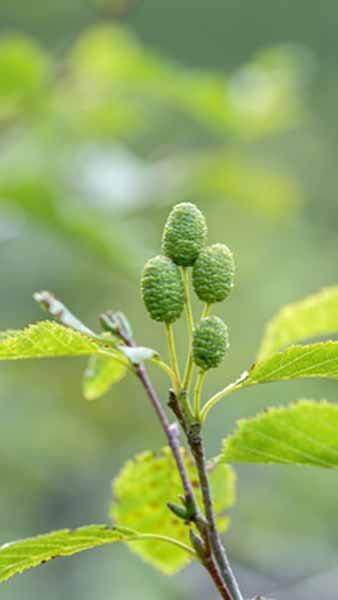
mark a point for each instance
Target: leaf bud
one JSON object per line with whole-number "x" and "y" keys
{"x": 179, "y": 511}
{"x": 162, "y": 289}
{"x": 198, "y": 544}
{"x": 184, "y": 234}
{"x": 210, "y": 343}
{"x": 213, "y": 273}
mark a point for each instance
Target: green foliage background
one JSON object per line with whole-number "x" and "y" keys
{"x": 232, "y": 106}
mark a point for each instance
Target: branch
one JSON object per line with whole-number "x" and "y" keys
{"x": 206, "y": 555}
{"x": 171, "y": 434}
{"x": 196, "y": 444}
{"x": 190, "y": 499}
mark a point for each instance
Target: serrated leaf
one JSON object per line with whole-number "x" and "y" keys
{"x": 314, "y": 316}
{"x": 18, "y": 556}
{"x": 141, "y": 492}
{"x": 101, "y": 373}
{"x": 138, "y": 354}
{"x": 8, "y": 333}
{"x": 46, "y": 339}
{"x": 304, "y": 433}
{"x": 314, "y": 360}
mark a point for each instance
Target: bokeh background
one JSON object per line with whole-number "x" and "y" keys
{"x": 110, "y": 112}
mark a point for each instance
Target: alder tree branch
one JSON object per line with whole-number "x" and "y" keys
{"x": 196, "y": 445}
{"x": 205, "y": 551}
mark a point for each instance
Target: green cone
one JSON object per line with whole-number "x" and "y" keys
{"x": 210, "y": 343}
{"x": 213, "y": 273}
{"x": 162, "y": 289}
{"x": 184, "y": 234}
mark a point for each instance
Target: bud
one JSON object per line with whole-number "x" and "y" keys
{"x": 198, "y": 544}
{"x": 162, "y": 289}
{"x": 185, "y": 234}
{"x": 179, "y": 511}
{"x": 210, "y": 343}
{"x": 213, "y": 273}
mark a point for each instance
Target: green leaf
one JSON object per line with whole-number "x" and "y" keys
{"x": 45, "y": 339}
{"x": 21, "y": 555}
{"x": 316, "y": 315}
{"x": 24, "y": 76}
{"x": 8, "y": 333}
{"x": 141, "y": 492}
{"x": 304, "y": 433}
{"x": 18, "y": 556}
{"x": 314, "y": 360}
{"x": 100, "y": 374}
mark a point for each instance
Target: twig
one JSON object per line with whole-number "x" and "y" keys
{"x": 197, "y": 448}
{"x": 209, "y": 534}
{"x": 170, "y": 434}
{"x": 214, "y": 549}
{"x": 208, "y": 559}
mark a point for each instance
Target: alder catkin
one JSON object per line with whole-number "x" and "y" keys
{"x": 162, "y": 289}
{"x": 210, "y": 343}
{"x": 184, "y": 234}
{"x": 213, "y": 273}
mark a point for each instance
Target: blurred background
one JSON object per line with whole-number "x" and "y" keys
{"x": 111, "y": 111}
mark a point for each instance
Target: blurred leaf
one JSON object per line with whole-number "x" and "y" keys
{"x": 42, "y": 199}
{"x": 246, "y": 183}
{"x": 19, "y": 556}
{"x": 109, "y": 88}
{"x": 24, "y": 73}
{"x": 314, "y": 360}
{"x": 101, "y": 373}
{"x": 115, "y": 78}
{"x": 316, "y": 315}
{"x": 304, "y": 433}
{"x": 141, "y": 492}
{"x": 47, "y": 339}
{"x": 265, "y": 94}
{"x": 110, "y": 63}
{"x": 111, "y": 60}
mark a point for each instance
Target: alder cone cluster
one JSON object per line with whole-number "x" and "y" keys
{"x": 213, "y": 268}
